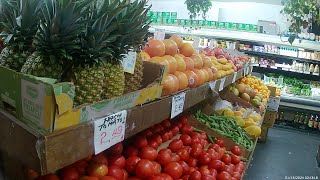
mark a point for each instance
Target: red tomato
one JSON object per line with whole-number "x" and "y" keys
{"x": 186, "y": 139}
{"x": 131, "y": 151}
{"x": 207, "y": 177}
{"x": 204, "y": 170}
{"x": 188, "y": 148}
{"x": 186, "y": 129}
{"x": 228, "y": 169}
{"x": 165, "y": 176}
{"x": 236, "y": 175}
{"x": 213, "y": 154}
{"x": 144, "y": 168}
{"x": 224, "y": 176}
{"x": 116, "y": 149}
{"x": 49, "y": 177}
{"x": 115, "y": 172}
{"x": 157, "y": 128}
{"x": 174, "y": 170}
{"x": 233, "y": 178}
{"x": 195, "y": 135}
{"x": 213, "y": 172}
{"x": 195, "y": 141}
{"x": 70, "y": 173}
{"x": 236, "y": 150}
{"x": 170, "y": 134}
{"x": 81, "y": 166}
{"x": 175, "y": 130}
{"x": 235, "y": 159}
{"x": 204, "y": 135}
{"x": 166, "y": 124}
{"x": 119, "y": 161}
{"x": 133, "y": 178}
{"x": 165, "y": 136}
{"x": 176, "y": 145}
{"x": 185, "y": 167}
{"x": 157, "y": 138}
{"x": 183, "y": 120}
{"x": 153, "y": 144}
{"x": 97, "y": 170}
{"x": 196, "y": 175}
{"x": 192, "y": 169}
{"x": 140, "y": 141}
{"x": 147, "y": 133}
{"x": 157, "y": 168}
{"x": 192, "y": 162}
{"x": 216, "y": 147}
{"x": 107, "y": 178}
{"x": 164, "y": 156}
{"x": 204, "y": 159}
{"x": 131, "y": 163}
{"x": 242, "y": 165}
{"x": 179, "y": 124}
{"x": 125, "y": 174}
{"x": 233, "y": 166}
{"x": 221, "y": 153}
{"x": 183, "y": 154}
{"x": 185, "y": 177}
{"x": 226, "y": 159}
{"x": 220, "y": 142}
{"x": 216, "y": 164}
{"x": 203, "y": 142}
{"x": 100, "y": 159}
{"x": 175, "y": 158}
{"x": 196, "y": 150}
{"x": 148, "y": 153}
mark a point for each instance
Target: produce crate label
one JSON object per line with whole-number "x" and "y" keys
{"x": 159, "y": 34}
{"x": 222, "y": 81}
{"x": 129, "y": 62}
{"x": 109, "y": 131}
{"x": 174, "y": 15}
{"x": 234, "y": 77}
{"x": 177, "y": 104}
{"x": 273, "y": 103}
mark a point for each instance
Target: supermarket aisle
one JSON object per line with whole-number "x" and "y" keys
{"x": 286, "y": 153}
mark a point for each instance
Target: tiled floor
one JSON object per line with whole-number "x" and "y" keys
{"x": 285, "y": 153}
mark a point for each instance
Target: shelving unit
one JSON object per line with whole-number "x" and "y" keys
{"x": 48, "y": 153}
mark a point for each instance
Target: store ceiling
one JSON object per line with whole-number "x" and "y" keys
{"x": 277, "y": 2}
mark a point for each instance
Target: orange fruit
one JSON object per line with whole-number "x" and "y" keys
{"x": 160, "y": 60}
{"x": 172, "y": 63}
{"x": 206, "y": 75}
{"x": 198, "y": 63}
{"x": 187, "y": 50}
{"x": 155, "y": 48}
{"x": 177, "y": 39}
{"x": 210, "y": 73}
{"x": 171, "y": 47}
{"x": 207, "y": 63}
{"x": 192, "y": 78}
{"x": 169, "y": 85}
{"x": 145, "y": 56}
{"x": 200, "y": 77}
{"x": 176, "y": 82}
{"x": 183, "y": 80}
{"x": 189, "y": 63}
{"x": 181, "y": 55}
{"x": 181, "y": 65}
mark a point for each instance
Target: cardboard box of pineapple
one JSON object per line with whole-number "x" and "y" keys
{"x": 77, "y": 48}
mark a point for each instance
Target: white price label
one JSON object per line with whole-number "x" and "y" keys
{"x": 196, "y": 42}
{"x": 234, "y": 77}
{"x": 159, "y": 34}
{"x": 212, "y": 85}
{"x": 109, "y": 130}
{"x": 177, "y": 104}
{"x": 129, "y": 62}
{"x": 211, "y": 44}
{"x": 222, "y": 81}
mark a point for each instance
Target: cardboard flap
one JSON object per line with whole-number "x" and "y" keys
{"x": 153, "y": 72}
{"x": 64, "y": 94}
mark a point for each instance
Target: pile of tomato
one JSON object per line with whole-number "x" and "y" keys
{"x": 170, "y": 150}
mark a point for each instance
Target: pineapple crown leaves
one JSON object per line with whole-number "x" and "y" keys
{"x": 62, "y": 23}
{"x": 19, "y": 20}
{"x": 136, "y": 17}
{"x": 99, "y": 34}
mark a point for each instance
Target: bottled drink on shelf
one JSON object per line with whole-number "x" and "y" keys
{"x": 296, "y": 118}
{"x": 316, "y": 122}
{"x": 301, "y": 119}
{"x": 311, "y": 120}
{"x": 281, "y": 116}
{"x": 306, "y": 119}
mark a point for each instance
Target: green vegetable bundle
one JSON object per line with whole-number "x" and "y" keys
{"x": 226, "y": 127}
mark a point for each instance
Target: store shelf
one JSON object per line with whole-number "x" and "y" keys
{"x": 279, "y": 56}
{"x": 277, "y": 70}
{"x": 300, "y": 103}
{"x": 238, "y": 35}
{"x": 48, "y": 153}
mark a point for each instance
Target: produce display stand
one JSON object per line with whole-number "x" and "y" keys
{"x": 47, "y": 153}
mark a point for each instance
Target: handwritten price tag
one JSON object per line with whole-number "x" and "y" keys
{"x": 234, "y": 77}
{"x": 129, "y": 62}
{"x": 159, "y": 34}
{"x": 109, "y": 130}
{"x": 222, "y": 81}
{"x": 177, "y": 104}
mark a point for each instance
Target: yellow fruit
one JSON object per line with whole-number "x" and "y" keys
{"x": 238, "y": 113}
{"x": 228, "y": 113}
{"x": 241, "y": 122}
{"x": 255, "y": 118}
{"x": 254, "y": 131}
{"x": 249, "y": 122}
{"x": 242, "y": 110}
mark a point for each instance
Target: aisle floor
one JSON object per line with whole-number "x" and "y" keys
{"x": 285, "y": 153}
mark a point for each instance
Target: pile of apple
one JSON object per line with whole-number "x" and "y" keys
{"x": 218, "y": 54}
{"x": 167, "y": 151}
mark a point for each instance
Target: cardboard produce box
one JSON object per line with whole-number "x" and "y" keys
{"x": 46, "y": 105}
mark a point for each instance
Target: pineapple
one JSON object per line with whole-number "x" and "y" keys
{"x": 135, "y": 17}
{"x": 133, "y": 81}
{"x": 57, "y": 38}
{"x": 20, "y": 23}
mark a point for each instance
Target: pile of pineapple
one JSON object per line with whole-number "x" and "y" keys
{"x": 82, "y": 41}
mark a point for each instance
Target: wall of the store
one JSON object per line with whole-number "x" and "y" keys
{"x": 226, "y": 11}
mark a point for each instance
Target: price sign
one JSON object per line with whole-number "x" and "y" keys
{"x": 129, "y": 62}
{"x": 212, "y": 85}
{"x": 222, "y": 81}
{"x": 234, "y": 77}
{"x": 177, "y": 104}
{"x": 109, "y": 130}
{"x": 159, "y": 34}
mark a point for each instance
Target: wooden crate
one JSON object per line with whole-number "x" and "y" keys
{"x": 269, "y": 119}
